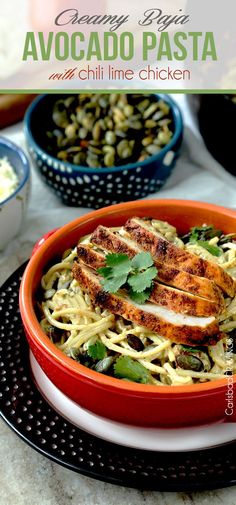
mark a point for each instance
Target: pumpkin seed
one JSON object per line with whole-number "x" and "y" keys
{"x": 126, "y": 153}
{"x": 83, "y": 133}
{"x": 150, "y": 110}
{"x": 103, "y": 102}
{"x": 62, "y": 155}
{"x": 70, "y": 130}
{"x": 110, "y": 138}
{"x": 135, "y": 342}
{"x": 109, "y": 159}
{"x": 123, "y": 144}
{"x": 118, "y": 115}
{"x": 147, "y": 140}
{"x": 164, "y": 107}
{"x": 88, "y": 121}
{"x": 109, "y": 149}
{"x": 94, "y": 150}
{"x": 164, "y": 137}
{"x": 158, "y": 115}
{"x": 104, "y": 364}
{"x": 113, "y": 98}
{"x": 80, "y": 115}
{"x": 74, "y": 149}
{"x": 92, "y": 162}
{"x": 153, "y": 149}
{"x": 143, "y": 105}
{"x": 150, "y": 123}
{"x": 135, "y": 125}
{"x": 108, "y": 123}
{"x": 189, "y": 362}
{"x": 97, "y": 131}
{"x": 128, "y": 110}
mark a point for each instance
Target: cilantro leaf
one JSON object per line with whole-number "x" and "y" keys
{"x": 121, "y": 272}
{"x": 141, "y": 281}
{"x": 97, "y": 350}
{"x": 115, "y": 273}
{"x": 213, "y": 249}
{"x": 120, "y": 263}
{"x": 139, "y": 297}
{"x": 142, "y": 261}
{"x": 106, "y": 272}
{"x": 127, "y": 368}
{"x": 113, "y": 284}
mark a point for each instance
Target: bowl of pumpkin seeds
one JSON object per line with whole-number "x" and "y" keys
{"x": 100, "y": 149}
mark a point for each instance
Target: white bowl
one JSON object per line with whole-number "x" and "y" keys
{"x": 13, "y": 209}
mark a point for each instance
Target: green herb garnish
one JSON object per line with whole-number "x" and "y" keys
{"x": 127, "y": 368}
{"x": 139, "y": 297}
{"x": 205, "y": 232}
{"x": 213, "y": 249}
{"x": 97, "y": 350}
{"x": 135, "y": 274}
{"x": 201, "y": 234}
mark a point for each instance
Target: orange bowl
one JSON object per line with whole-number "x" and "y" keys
{"x": 112, "y": 398}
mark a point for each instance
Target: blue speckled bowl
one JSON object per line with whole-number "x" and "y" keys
{"x": 95, "y": 187}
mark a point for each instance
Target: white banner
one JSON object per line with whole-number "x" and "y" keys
{"x": 105, "y": 44}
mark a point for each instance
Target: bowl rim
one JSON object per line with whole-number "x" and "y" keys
{"x": 41, "y": 340}
{"x": 25, "y": 165}
{"x": 178, "y": 130}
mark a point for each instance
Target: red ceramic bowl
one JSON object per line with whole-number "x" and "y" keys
{"x": 122, "y": 401}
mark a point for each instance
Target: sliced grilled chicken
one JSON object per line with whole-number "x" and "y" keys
{"x": 109, "y": 241}
{"x": 170, "y": 254}
{"x": 179, "y": 328}
{"x": 174, "y": 299}
{"x": 90, "y": 257}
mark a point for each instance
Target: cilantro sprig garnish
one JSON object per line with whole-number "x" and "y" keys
{"x": 136, "y": 275}
{"x": 97, "y": 350}
{"x": 200, "y": 235}
{"x": 127, "y": 368}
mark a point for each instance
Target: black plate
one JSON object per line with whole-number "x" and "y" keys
{"x": 30, "y": 416}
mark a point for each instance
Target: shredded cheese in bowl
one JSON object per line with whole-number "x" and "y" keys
{"x": 8, "y": 179}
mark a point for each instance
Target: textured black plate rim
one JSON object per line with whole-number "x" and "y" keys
{"x": 184, "y": 471}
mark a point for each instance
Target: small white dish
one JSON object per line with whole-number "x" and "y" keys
{"x": 151, "y": 439}
{"x": 13, "y": 208}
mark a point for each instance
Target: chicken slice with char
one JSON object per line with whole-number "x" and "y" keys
{"x": 178, "y": 328}
{"x": 168, "y": 253}
{"x": 205, "y": 288}
{"x": 174, "y": 299}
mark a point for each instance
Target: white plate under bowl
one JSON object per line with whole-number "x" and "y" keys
{"x": 151, "y": 439}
